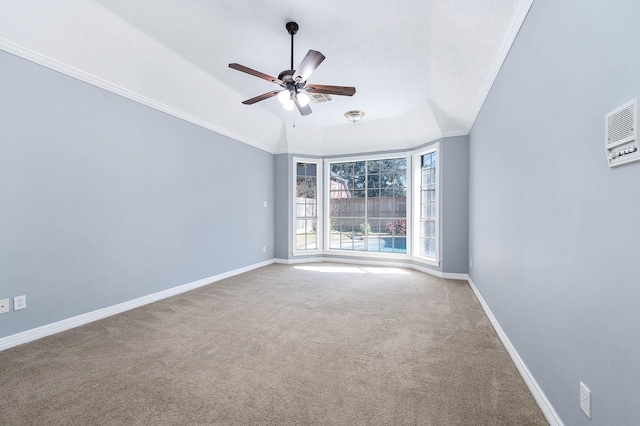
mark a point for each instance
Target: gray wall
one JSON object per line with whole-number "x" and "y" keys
{"x": 553, "y": 231}
{"x": 454, "y": 198}
{"x": 104, "y": 200}
{"x": 283, "y": 207}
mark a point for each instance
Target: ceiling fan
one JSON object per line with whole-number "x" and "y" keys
{"x": 294, "y": 81}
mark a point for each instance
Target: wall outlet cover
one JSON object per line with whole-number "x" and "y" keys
{"x": 19, "y": 302}
{"x": 585, "y": 399}
{"x": 4, "y": 306}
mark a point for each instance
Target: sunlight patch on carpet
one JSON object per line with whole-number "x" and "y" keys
{"x": 352, "y": 270}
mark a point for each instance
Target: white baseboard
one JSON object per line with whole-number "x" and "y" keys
{"x": 300, "y": 260}
{"x": 69, "y": 323}
{"x": 452, "y": 276}
{"x": 544, "y": 404}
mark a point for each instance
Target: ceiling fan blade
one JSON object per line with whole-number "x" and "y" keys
{"x": 308, "y": 65}
{"x": 262, "y": 97}
{"x": 304, "y": 110}
{"x": 255, "y": 73}
{"x": 330, "y": 90}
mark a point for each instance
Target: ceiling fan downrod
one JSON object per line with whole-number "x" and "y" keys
{"x": 292, "y": 28}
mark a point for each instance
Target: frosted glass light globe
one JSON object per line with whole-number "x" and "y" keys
{"x": 303, "y": 99}
{"x": 288, "y": 105}
{"x": 284, "y": 97}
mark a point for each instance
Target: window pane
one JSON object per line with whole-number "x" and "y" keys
{"x": 335, "y": 170}
{"x": 378, "y": 198}
{"x": 400, "y": 245}
{"x": 373, "y": 181}
{"x": 311, "y": 169}
{"x": 373, "y": 208}
{"x": 306, "y": 206}
{"x": 359, "y": 181}
{"x": 428, "y": 213}
{"x": 426, "y": 178}
{"x": 373, "y": 166}
{"x": 310, "y": 210}
{"x": 359, "y": 168}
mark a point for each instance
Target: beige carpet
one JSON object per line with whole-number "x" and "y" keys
{"x": 319, "y": 344}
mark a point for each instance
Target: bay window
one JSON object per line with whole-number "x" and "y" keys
{"x": 386, "y": 204}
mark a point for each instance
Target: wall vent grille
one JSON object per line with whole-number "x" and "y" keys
{"x": 320, "y": 97}
{"x": 621, "y": 124}
{"x": 620, "y": 143}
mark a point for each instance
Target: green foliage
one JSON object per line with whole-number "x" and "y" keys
{"x": 381, "y": 178}
{"x": 364, "y": 226}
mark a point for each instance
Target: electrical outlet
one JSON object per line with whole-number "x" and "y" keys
{"x": 470, "y": 263}
{"x": 264, "y": 249}
{"x": 585, "y": 399}
{"x": 475, "y": 272}
{"x": 4, "y": 306}
{"x": 19, "y": 302}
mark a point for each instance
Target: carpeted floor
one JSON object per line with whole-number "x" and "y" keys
{"x": 317, "y": 344}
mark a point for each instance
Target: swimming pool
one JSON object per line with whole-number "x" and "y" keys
{"x": 381, "y": 244}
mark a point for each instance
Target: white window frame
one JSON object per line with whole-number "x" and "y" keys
{"x": 326, "y": 212}
{"x": 417, "y": 179}
{"x": 319, "y": 206}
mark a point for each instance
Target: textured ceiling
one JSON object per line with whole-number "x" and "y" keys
{"x": 421, "y": 67}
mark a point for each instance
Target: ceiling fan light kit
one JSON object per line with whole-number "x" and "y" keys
{"x": 294, "y": 81}
{"x": 354, "y": 115}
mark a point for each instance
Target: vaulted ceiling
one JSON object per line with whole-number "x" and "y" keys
{"x": 422, "y": 68}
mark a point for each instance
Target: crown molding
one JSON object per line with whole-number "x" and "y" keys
{"x": 45, "y": 61}
{"x": 507, "y": 42}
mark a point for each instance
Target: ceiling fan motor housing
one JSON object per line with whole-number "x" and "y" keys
{"x": 286, "y": 76}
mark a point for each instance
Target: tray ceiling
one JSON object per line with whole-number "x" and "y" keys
{"x": 421, "y": 68}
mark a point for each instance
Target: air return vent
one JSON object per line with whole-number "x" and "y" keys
{"x": 621, "y": 142}
{"x": 320, "y": 97}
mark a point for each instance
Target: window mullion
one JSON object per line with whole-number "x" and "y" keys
{"x": 366, "y": 206}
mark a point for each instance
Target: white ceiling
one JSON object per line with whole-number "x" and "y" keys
{"x": 422, "y": 68}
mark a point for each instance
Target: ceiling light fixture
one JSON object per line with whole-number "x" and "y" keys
{"x": 354, "y": 115}
{"x": 287, "y": 97}
{"x": 288, "y": 105}
{"x": 303, "y": 99}
{"x": 293, "y": 81}
{"x": 284, "y": 96}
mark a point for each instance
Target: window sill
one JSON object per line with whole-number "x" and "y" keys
{"x": 307, "y": 253}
